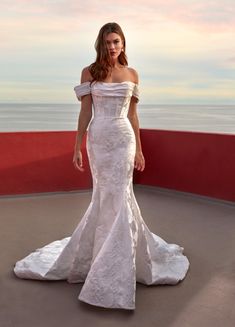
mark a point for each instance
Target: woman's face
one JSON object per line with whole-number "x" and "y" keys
{"x": 114, "y": 45}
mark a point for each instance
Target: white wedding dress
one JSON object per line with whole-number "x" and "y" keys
{"x": 112, "y": 247}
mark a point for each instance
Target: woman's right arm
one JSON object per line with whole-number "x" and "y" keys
{"x": 83, "y": 121}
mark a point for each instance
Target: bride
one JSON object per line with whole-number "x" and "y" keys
{"x": 112, "y": 248}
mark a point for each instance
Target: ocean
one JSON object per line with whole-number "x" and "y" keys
{"x": 63, "y": 117}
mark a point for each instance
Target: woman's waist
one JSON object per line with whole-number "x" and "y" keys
{"x": 110, "y": 124}
{"x": 109, "y": 117}
{"x": 109, "y": 121}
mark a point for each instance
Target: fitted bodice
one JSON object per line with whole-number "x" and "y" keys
{"x": 109, "y": 99}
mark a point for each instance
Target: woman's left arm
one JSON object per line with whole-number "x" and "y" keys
{"x": 133, "y": 118}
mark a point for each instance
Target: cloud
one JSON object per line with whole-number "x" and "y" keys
{"x": 214, "y": 92}
{"x": 231, "y": 60}
{"x": 167, "y": 42}
{"x": 212, "y": 15}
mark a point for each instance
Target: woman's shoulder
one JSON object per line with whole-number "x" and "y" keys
{"x": 86, "y": 75}
{"x": 133, "y": 74}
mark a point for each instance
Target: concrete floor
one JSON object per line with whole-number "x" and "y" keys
{"x": 204, "y": 227}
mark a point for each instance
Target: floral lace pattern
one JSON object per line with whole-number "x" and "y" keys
{"x": 112, "y": 247}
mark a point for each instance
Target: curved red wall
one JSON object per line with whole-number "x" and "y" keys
{"x": 200, "y": 163}
{"x": 34, "y": 162}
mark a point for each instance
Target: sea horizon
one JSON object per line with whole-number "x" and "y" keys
{"x": 212, "y": 118}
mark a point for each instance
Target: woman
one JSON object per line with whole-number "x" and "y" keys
{"x": 112, "y": 247}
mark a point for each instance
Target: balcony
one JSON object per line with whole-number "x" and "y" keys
{"x": 203, "y": 226}
{"x": 186, "y": 195}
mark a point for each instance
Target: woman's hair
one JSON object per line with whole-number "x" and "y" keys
{"x": 100, "y": 68}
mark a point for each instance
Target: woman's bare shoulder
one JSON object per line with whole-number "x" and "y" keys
{"x": 86, "y": 75}
{"x": 133, "y": 75}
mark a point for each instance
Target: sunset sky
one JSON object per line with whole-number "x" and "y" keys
{"x": 184, "y": 50}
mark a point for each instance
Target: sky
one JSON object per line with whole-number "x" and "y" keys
{"x": 183, "y": 50}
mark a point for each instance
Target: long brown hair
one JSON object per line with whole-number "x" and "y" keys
{"x": 100, "y": 68}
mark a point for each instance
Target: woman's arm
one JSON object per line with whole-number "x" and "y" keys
{"x": 133, "y": 118}
{"x": 83, "y": 122}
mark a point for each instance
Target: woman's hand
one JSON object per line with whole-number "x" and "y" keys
{"x": 77, "y": 160}
{"x": 139, "y": 161}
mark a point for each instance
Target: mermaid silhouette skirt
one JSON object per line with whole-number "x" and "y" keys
{"x": 112, "y": 248}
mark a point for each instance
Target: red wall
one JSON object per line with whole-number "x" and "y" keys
{"x": 200, "y": 163}
{"x": 34, "y": 162}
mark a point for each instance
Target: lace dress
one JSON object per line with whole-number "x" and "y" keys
{"x": 112, "y": 247}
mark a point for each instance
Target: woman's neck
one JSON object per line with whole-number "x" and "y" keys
{"x": 116, "y": 64}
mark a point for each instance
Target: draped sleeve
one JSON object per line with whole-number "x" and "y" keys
{"x": 82, "y": 89}
{"x": 136, "y": 92}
